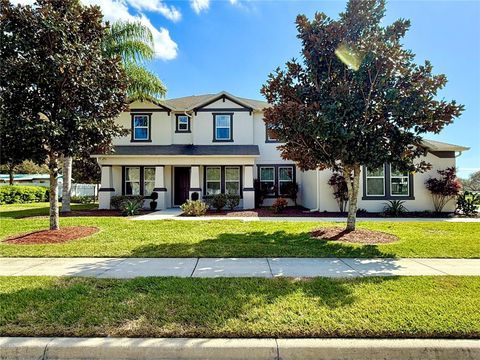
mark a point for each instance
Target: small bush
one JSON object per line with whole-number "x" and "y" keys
{"x": 131, "y": 207}
{"x": 82, "y": 199}
{"x": 291, "y": 190}
{"x": 118, "y": 201}
{"x": 233, "y": 200}
{"x": 194, "y": 208}
{"x": 195, "y": 196}
{"x": 18, "y": 194}
{"x": 279, "y": 205}
{"x": 217, "y": 201}
{"x": 340, "y": 190}
{"x": 444, "y": 188}
{"x": 467, "y": 203}
{"x": 153, "y": 203}
{"x": 394, "y": 208}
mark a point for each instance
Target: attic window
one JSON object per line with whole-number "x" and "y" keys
{"x": 183, "y": 124}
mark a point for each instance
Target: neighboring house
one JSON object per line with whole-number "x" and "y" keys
{"x": 28, "y": 179}
{"x": 219, "y": 143}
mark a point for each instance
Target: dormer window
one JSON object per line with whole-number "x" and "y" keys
{"x": 222, "y": 127}
{"x": 141, "y": 127}
{"x": 182, "y": 123}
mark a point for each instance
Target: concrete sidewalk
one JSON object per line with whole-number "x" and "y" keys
{"x": 125, "y": 268}
{"x": 237, "y": 349}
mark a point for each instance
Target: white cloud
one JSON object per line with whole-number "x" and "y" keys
{"x": 199, "y": 5}
{"x": 233, "y": 2}
{"x": 113, "y": 10}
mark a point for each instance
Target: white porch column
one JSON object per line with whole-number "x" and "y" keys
{"x": 195, "y": 182}
{"x": 248, "y": 189}
{"x": 160, "y": 187}
{"x": 106, "y": 188}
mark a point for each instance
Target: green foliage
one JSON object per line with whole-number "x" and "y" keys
{"x": 18, "y": 194}
{"x": 194, "y": 208}
{"x": 117, "y": 202}
{"x": 370, "y": 105}
{"x": 218, "y": 201}
{"x": 472, "y": 183}
{"x": 85, "y": 170}
{"x": 468, "y": 203}
{"x": 291, "y": 191}
{"x": 394, "y": 208}
{"x": 279, "y": 205}
{"x": 131, "y": 207}
{"x": 233, "y": 200}
{"x": 85, "y": 199}
{"x": 443, "y": 189}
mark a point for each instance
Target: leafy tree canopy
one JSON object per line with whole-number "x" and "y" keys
{"x": 357, "y": 98}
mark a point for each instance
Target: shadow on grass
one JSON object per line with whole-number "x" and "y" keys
{"x": 173, "y": 307}
{"x": 261, "y": 244}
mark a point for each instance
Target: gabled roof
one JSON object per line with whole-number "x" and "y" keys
{"x": 441, "y": 146}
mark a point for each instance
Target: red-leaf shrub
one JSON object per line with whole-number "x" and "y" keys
{"x": 443, "y": 189}
{"x": 340, "y": 190}
{"x": 279, "y": 205}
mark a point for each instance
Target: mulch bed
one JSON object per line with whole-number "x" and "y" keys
{"x": 62, "y": 235}
{"x": 359, "y": 236}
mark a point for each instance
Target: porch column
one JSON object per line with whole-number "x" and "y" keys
{"x": 160, "y": 187}
{"x": 248, "y": 189}
{"x": 195, "y": 182}
{"x": 106, "y": 188}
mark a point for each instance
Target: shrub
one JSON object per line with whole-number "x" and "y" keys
{"x": 291, "y": 190}
{"x": 217, "y": 201}
{"x": 131, "y": 207}
{"x": 153, "y": 203}
{"x": 195, "y": 196}
{"x": 18, "y": 194}
{"x": 118, "y": 201}
{"x": 362, "y": 211}
{"x": 443, "y": 189}
{"x": 233, "y": 200}
{"x": 340, "y": 190}
{"x": 394, "y": 208}
{"x": 260, "y": 193}
{"x": 194, "y": 208}
{"x": 279, "y": 205}
{"x": 82, "y": 199}
{"x": 467, "y": 203}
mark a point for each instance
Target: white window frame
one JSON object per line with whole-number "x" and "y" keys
{"x": 399, "y": 177}
{"x": 374, "y": 177}
{"x": 233, "y": 181}
{"x": 133, "y": 181}
{"x": 284, "y": 181}
{"x": 219, "y": 181}
{"x": 229, "y": 127}
{"x": 141, "y": 127}
{"x": 274, "y": 182}
{"x": 179, "y": 129}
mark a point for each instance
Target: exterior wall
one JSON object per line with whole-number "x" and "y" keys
{"x": 181, "y": 137}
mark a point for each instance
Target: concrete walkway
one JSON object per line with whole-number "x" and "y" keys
{"x": 124, "y": 268}
{"x": 174, "y": 214}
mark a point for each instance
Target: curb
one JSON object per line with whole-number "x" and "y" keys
{"x": 234, "y": 349}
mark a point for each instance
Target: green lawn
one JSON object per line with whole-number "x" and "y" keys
{"x": 121, "y": 237}
{"x": 175, "y": 307}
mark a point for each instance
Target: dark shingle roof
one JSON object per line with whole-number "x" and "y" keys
{"x": 187, "y": 150}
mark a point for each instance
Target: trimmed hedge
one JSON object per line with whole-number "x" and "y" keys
{"x": 18, "y": 194}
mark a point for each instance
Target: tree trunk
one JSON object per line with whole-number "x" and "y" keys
{"x": 67, "y": 183}
{"x": 352, "y": 185}
{"x": 54, "y": 216}
{"x": 11, "y": 170}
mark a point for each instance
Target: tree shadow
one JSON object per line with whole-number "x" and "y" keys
{"x": 261, "y": 244}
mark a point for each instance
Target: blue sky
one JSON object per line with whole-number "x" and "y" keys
{"x": 207, "y": 46}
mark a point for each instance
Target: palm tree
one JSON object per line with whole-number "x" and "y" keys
{"x": 133, "y": 42}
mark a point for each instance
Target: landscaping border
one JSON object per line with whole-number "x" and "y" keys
{"x": 234, "y": 349}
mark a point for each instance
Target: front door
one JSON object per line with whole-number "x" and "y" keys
{"x": 182, "y": 185}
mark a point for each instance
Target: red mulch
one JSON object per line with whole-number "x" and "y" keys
{"x": 52, "y": 236}
{"x": 360, "y": 236}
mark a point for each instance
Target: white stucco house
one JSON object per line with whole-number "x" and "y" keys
{"x": 219, "y": 143}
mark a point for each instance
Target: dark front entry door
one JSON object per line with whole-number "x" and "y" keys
{"x": 182, "y": 184}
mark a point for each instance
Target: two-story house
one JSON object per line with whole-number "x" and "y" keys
{"x": 218, "y": 143}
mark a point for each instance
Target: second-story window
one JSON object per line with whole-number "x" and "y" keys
{"x": 141, "y": 127}
{"x": 183, "y": 124}
{"x": 270, "y": 134}
{"x": 222, "y": 127}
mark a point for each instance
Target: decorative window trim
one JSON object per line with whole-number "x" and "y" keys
{"x": 387, "y": 187}
{"x": 222, "y": 177}
{"x": 267, "y": 138}
{"x": 277, "y": 177}
{"x": 142, "y": 178}
{"x": 149, "y": 117}
{"x": 215, "y": 127}
{"x": 177, "y": 124}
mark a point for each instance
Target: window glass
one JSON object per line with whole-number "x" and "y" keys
{"x": 213, "y": 180}
{"x": 132, "y": 181}
{"x": 149, "y": 180}
{"x": 182, "y": 123}
{"x": 375, "y": 182}
{"x": 232, "y": 180}
{"x": 399, "y": 182}
{"x": 140, "y": 127}
{"x": 285, "y": 178}
{"x": 222, "y": 127}
{"x": 267, "y": 180}
{"x": 270, "y": 133}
